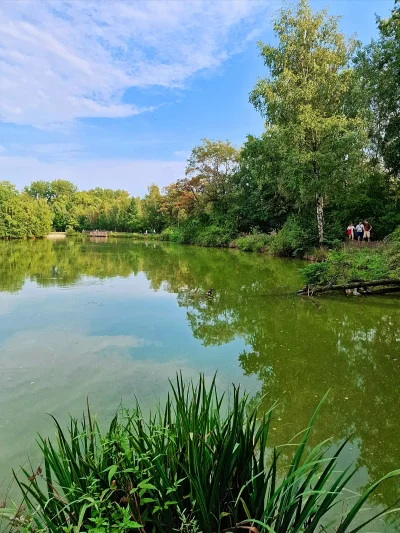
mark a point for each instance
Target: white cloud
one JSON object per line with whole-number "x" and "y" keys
{"x": 133, "y": 176}
{"x": 62, "y": 60}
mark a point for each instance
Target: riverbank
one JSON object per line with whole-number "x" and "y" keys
{"x": 290, "y": 241}
{"x": 355, "y": 263}
{"x": 346, "y": 262}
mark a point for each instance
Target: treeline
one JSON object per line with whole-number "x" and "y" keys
{"x": 329, "y": 155}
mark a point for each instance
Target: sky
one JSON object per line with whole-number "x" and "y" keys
{"x": 115, "y": 94}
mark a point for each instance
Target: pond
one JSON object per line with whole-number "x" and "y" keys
{"x": 114, "y": 319}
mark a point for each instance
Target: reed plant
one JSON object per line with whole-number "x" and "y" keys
{"x": 199, "y": 463}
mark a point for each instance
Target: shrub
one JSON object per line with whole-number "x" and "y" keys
{"x": 215, "y": 235}
{"x": 346, "y": 266}
{"x": 172, "y": 234}
{"x": 392, "y": 252}
{"x": 70, "y": 232}
{"x": 290, "y": 241}
{"x": 394, "y": 237}
{"x": 135, "y": 236}
{"x": 316, "y": 274}
{"x": 318, "y": 254}
{"x": 393, "y": 258}
{"x": 196, "y": 465}
{"x": 256, "y": 242}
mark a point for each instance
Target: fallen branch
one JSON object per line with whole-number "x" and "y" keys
{"x": 384, "y": 290}
{"x": 355, "y": 285}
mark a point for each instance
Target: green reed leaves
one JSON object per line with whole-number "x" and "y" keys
{"x": 200, "y": 463}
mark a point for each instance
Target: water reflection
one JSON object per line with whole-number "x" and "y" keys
{"x": 291, "y": 349}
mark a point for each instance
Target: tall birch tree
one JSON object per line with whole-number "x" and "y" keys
{"x": 303, "y": 99}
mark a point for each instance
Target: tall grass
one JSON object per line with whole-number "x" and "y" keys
{"x": 195, "y": 465}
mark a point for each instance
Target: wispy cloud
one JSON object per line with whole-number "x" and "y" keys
{"x": 55, "y": 151}
{"x": 62, "y": 60}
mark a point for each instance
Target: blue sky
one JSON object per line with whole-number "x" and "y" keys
{"x": 115, "y": 94}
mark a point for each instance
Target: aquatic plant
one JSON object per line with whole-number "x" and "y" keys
{"x": 200, "y": 463}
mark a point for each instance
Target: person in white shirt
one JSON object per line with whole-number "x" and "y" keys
{"x": 360, "y": 231}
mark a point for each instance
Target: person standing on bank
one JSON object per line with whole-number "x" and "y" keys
{"x": 367, "y": 231}
{"x": 350, "y": 231}
{"x": 360, "y": 231}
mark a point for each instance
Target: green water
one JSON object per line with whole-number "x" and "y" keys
{"x": 111, "y": 320}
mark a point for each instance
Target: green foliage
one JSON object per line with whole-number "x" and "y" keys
{"x": 173, "y": 234}
{"x": 319, "y": 254}
{"x": 316, "y": 274}
{"x": 378, "y": 68}
{"x": 152, "y": 215}
{"x": 318, "y": 146}
{"x": 258, "y": 199}
{"x": 198, "y": 462}
{"x": 193, "y": 231}
{"x": 394, "y": 237}
{"x": 255, "y": 242}
{"x": 290, "y": 241}
{"x": 214, "y": 235}
{"x": 70, "y": 232}
{"x": 393, "y": 252}
{"x": 350, "y": 265}
{"x": 330, "y": 155}
{"x": 22, "y": 216}
{"x": 209, "y": 176}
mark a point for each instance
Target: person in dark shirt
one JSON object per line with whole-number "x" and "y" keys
{"x": 367, "y": 231}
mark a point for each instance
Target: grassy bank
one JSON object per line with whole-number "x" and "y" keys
{"x": 356, "y": 263}
{"x": 120, "y": 235}
{"x": 337, "y": 262}
{"x": 290, "y": 241}
{"x": 136, "y": 236}
{"x": 196, "y": 465}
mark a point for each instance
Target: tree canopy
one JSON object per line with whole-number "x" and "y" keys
{"x": 329, "y": 154}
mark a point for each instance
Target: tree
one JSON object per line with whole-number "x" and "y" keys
{"x": 258, "y": 200}
{"x": 152, "y": 215}
{"x": 302, "y": 100}
{"x": 378, "y": 69}
{"x": 209, "y": 172}
{"x": 178, "y": 202}
{"x": 39, "y": 189}
{"x": 21, "y": 215}
{"x": 63, "y": 188}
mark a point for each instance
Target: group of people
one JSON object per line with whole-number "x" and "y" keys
{"x": 362, "y": 231}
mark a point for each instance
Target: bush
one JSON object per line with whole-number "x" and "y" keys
{"x": 197, "y": 465}
{"x": 135, "y": 236}
{"x": 215, "y": 235}
{"x": 256, "y": 242}
{"x": 173, "y": 234}
{"x": 318, "y": 254}
{"x": 393, "y": 258}
{"x": 344, "y": 267}
{"x": 290, "y": 241}
{"x": 394, "y": 237}
{"x": 316, "y": 274}
{"x": 70, "y": 232}
{"x": 392, "y": 252}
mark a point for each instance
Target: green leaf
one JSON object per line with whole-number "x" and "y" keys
{"x": 111, "y": 473}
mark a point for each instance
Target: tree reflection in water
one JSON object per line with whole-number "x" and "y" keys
{"x": 297, "y": 348}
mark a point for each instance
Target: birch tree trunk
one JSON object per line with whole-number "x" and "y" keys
{"x": 320, "y": 218}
